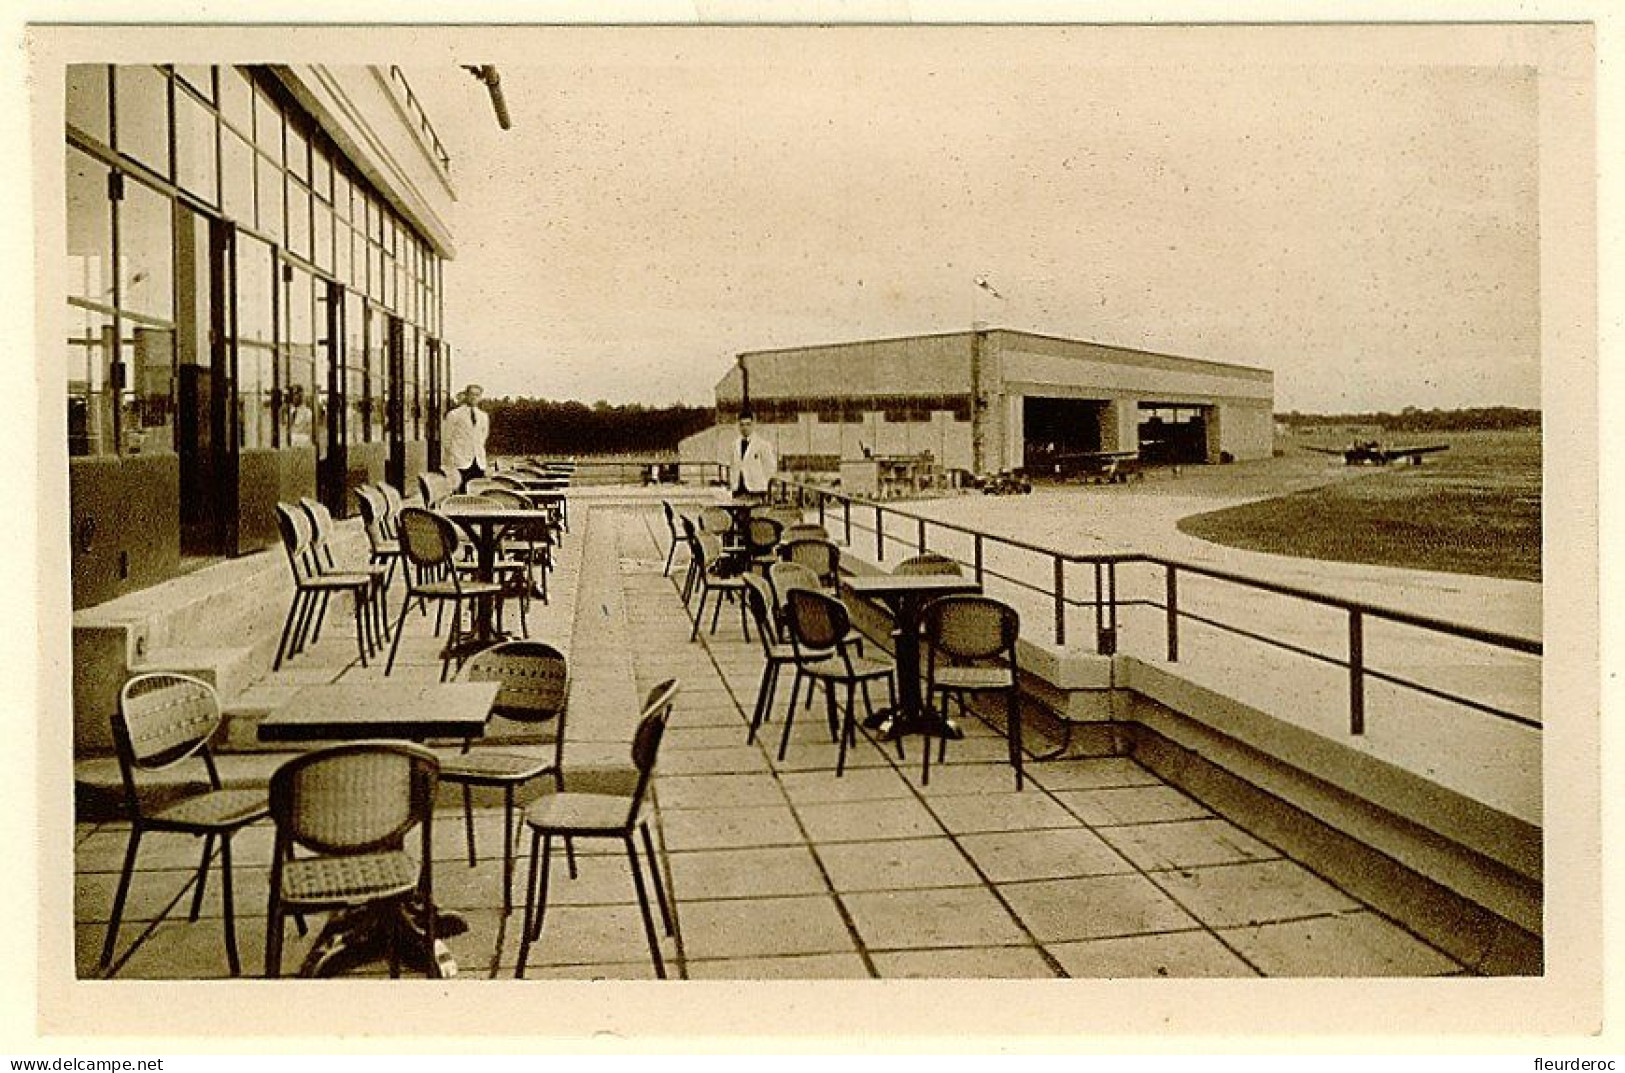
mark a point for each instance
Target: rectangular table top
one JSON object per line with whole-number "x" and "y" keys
{"x": 493, "y": 515}
{"x": 886, "y": 584}
{"x": 357, "y": 711}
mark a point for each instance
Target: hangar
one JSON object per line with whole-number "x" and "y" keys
{"x": 990, "y": 400}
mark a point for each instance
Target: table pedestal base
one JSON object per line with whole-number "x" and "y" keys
{"x": 361, "y": 936}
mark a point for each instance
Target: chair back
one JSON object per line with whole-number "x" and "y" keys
{"x": 163, "y": 719}
{"x": 321, "y": 530}
{"x": 782, "y": 577}
{"x": 817, "y": 622}
{"x": 804, "y": 531}
{"x": 480, "y": 485}
{"x": 428, "y": 540}
{"x": 671, "y": 518}
{"x": 716, "y": 520}
{"x": 759, "y": 597}
{"x": 427, "y": 490}
{"x": 785, "y": 516}
{"x": 709, "y": 549}
{"x": 971, "y": 627}
{"x": 465, "y": 501}
{"x": 534, "y": 677}
{"x": 764, "y": 534}
{"x": 822, "y": 557}
{"x": 507, "y": 498}
{"x": 294, "y": 526}
{"x": 359, "y": 797}
{"x": 373, "y": 508}
{"x": 927, "y": 564}
{"x": 502, "y": 480}
{"x": 646, "y": 740}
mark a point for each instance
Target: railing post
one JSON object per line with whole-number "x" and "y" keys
{"x": 1105, "y": 609}
{"x": 978, "y": 544}
{"x": 920, "y": 537}
{"x": 1173, "y": 614}
{"x": 846, "y": 512}
{"x": 1060, "y": 601}
{"x": 1356, "y": 672}
{"x": 880, "y": 534}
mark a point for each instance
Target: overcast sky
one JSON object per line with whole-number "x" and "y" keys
{"x": 668, "y": 198}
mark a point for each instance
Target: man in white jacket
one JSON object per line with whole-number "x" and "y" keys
{"x": 463, "y": 434}
{"x": 751, "y": 460}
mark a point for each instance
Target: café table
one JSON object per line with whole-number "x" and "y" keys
{"x": 907, "y": 596}
{"x": 365, "y": 711}
{"x": 485, "y": 526}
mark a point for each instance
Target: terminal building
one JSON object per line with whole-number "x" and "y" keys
{"x": 253, "y": 305}
{"x": 991, "y": 400}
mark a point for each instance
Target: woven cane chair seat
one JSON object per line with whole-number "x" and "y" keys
{"x": 348, "y": 880}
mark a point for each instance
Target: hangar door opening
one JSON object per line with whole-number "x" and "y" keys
{"x": 1055, "y": 428}
{"x": 1173, "y": 434}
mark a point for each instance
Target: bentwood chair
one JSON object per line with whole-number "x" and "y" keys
{"x": 926, "y": 564}
{"x": 348, "y": 809}
{"x": 514, "y": 575}
{"x": 163, "y": 722}
{"x": 776, "y": 653}
{"x": 712, "y": 579}
{"x": 383, "y": 546}
{"x": 675, "y": 536}
{"x": 819, "y": 626}
{"x": 429, "y": 546}
{"x": 971, "y": 645}
{"x": 691, "y": 537}
{"x": 529, "y": 543}
{"x": 321, "y": 534}
{"x": 534, "y": 681}
{"x": 804, "y": 531}
{"x": 598, "y": 815}
{"x": 821, "y": 556}
{"x": 761, "y": 542}
{"x": 312, "y": 589}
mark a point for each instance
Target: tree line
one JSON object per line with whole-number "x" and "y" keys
{"x": 548, "y": 427}
{"x": 1415, "y": 419}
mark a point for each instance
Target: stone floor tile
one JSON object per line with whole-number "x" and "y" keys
{"x": 978, "y": 963}
{"x": 1058, "y": 910}
{"x": 1254, "y": 893}
{"x": 746, "y": 873}
{"x": 735, "y": 759}
{"x": 1091, "y": 773}
{"x": 1176, "y": 954}
{"x": 1132, "y": 804}
{"x": 811, "y": 750}
{"x": 972, "y": 749}
{"x": 1186, "y": 844}
{"x": 951, "y": 779}
{"x": 1352, "y": 944}
{"x": 680, "y": 737}
{"x": 899, "y": 864}
{"x": 151, "y": 894}
{"x": 799, "y": 967}
{"x": 731, "y": 828}
{"x": 104, "y": 851}
{"x": 1054, "y": 853}
{"x": 766, "y": 927}
{"x": 625, "y": 970}
{"x": 859, "y": 784}
{"x": 1026, "y": 811}
{"x": 718, "y": 791}
{"x": 943, "y": 917}
{"x": 586, "y": 935}
{"x": 863, "y": 821}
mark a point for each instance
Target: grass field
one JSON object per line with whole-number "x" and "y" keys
{"x": 1474, "y": 509}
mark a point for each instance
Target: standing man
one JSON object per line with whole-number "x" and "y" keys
{"x": 752, "y": 462}
{"x": 463, "y": 434}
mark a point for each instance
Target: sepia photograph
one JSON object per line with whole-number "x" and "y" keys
{"x": 827, "y": 527}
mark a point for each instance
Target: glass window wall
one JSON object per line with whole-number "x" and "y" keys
{"x": 195, "y": 147}
{"x": 87, "y": 101}
{"x": 256, "y": 341}
{"x": 141, "y": 105}
{"x": 90, "y": 305}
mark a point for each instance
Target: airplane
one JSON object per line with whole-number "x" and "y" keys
{"x": 1099, "y": 467}
{"x": 1372, "y": 453}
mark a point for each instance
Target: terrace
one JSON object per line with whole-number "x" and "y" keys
{"x": 1116, "y": 860}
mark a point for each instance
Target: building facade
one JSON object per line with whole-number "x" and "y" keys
{"x": 992, "y": 400}
{"x": 254, "y": 304}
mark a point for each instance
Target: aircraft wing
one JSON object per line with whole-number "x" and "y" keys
{"x": 1338, "y": 451}
{"x": 1414, "y": 453}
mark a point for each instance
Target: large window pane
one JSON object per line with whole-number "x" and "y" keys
{"x": 237, "y": 174}
{"x": 87, "y": 101}
{"x": 256, "y": 271}
{"x": 301, "y": 418}
{"x": 341, "y": 195}
{"x": 267, "y": 125}
{"x": 270, "y": 199}
{"x": 90, "y": 230}
{"x": 298, "y": 218}
{"x": 142, "y": 102}
{"x": 200, "y": 79}
{"x": 298, "y": 151}
{"x": 341, "y": 252}
{"x": 146, "y": 254}
{"x": 237, "y": 100}
{"x": 357, "y": 389}
{"x": 194, "y": 147}
{"x": 321, "y": 176}
{"x": 383, "y": 388}
{"x": 148, "y": 353}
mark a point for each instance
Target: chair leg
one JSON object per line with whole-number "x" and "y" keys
{"x": 845, "y": 729}
{"x": 1013, "y": 731}
{"x": 202, "y": 882}
{"x": 654, "y": 871}
{"x": 830, "y": 712}
{"x": 694, "y": 634}
{"x": 541, "y": 893}
{"x": 273, "y": 938}
{"x": 763, "y": 693}
{"x": 643, "y": 906}
{"x": 671, "y": 553}
{"x": 118, "y": 899}
{"x": 468, "y": 822}
{"x": 395, "y": 642}
{"x": 361, "y": 633}
{"x": 282, "y": 647}
{"x": 716, "y": 611}
{"x": 570, "y": 856}
{"x": 744, "y": 619}
{"x": 530, "y": 905}
{"x": 229, "y": 905}
{"x": 507, "y": 849}
{"x": 790, "y": 716}
{"x": 321, "y": 616}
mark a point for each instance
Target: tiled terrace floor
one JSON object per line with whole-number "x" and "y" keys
{"x": 781, "y": 870}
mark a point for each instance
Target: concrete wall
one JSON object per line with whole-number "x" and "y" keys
{"x": 921, "y": 365}
{"x": 124, "y": 531}
{"x": 1245, "y": 429}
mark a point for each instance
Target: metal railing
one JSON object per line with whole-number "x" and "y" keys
{"x": 859, "y": 517}
{"x": 640, "y": 470}
{"x": 425, "y": 128}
